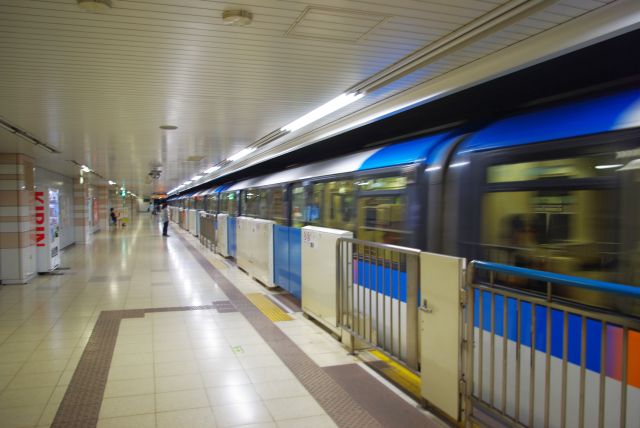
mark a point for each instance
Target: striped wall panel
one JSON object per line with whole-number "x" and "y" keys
{"x": 17, "y": 215}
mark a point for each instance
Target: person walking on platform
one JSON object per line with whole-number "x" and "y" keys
{"x": 165, "y": 219}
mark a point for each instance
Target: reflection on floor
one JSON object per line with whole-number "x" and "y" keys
{"x": 149, "y": 331}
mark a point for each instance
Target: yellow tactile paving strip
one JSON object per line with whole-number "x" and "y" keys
{"x": 267, "y": 307}
{"x": 398, "y": 374}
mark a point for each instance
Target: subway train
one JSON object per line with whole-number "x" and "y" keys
{"x": 554, "y": 187}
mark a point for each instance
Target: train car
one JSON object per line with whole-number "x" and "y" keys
{"x": 553, "y": 188}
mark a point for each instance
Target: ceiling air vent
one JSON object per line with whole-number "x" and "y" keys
{"x": 327, "y": 23}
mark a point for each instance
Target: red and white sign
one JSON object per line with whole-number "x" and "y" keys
{"x": 40, "y": 220}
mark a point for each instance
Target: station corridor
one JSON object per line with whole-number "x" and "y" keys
{"x": 140, "y": 330}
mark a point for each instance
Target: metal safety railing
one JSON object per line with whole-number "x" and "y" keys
{"x": 537, "y": 359}
{"x": 377, "y": 296}
{"x": 208, "y": 230}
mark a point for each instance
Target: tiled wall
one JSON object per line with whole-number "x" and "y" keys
{"x": 17, "y": 211}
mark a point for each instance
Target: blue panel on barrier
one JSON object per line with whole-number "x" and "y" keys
{"x": 231, "y": 236}
{"x": 281, "y": 256}
{"x": 295, "y": 262}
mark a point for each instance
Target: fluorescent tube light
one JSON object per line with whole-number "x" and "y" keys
{"x": 196, "y": 177}
{"x": 111, "y": 183}
{"x": 325, "y": 109}
{"x": 458, "y": 164}
{"x": 210, "y": 170}
{"x": 242, "y": 153}
{"x": 617, "y": 165}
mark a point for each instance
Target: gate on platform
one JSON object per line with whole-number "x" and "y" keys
{"x": 537, "y": 359}
{"x": 377, "y": 296}
{"x": 207, "y": 234}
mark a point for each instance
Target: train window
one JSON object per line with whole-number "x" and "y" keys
{"x": 255, "y": 202}
{"x": 267, "y": 204}
{"x": 297, "y": 205}
{"x": 583, "y": 167}
{"x": 382, "y": 219}
{"x": 198, "y": 203}
{"x": 328, "y": 204}
{"x": 381, "y": 210}
{"x": 383, "y": 183}
{"x": 310, "y": 212}
{"x": 573, "y": 232}
{"x": 338, "y": 205}
{"x": 210, "y": 203}
{"x": 228, "y": 203}
{"x": 277, "y": 208}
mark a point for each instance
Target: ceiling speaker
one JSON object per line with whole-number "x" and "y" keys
{"x": 95, "y": 5}
{"x": 239, "y": 17}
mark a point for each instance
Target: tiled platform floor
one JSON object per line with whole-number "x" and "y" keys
{"x": 193, "y": 366}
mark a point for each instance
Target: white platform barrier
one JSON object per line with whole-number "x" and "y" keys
{"x": 173, "y": 214}
{"x": 193, "y": 219}
{"x": 243, "y": 243}
{"x": 254, "y": 252}
{"x": 319, "y": 285}
{"x": 222, "y": 246}
{"x": 441, "y": 285}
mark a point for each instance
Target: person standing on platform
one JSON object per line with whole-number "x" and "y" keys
{"x": 165, "y": 219}
{"x": 114, "y": 218}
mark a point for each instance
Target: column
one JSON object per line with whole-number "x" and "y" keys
{"x": 17, "y": 219}
{"x": 103, "y": 206}
{"x": 81, "y": 212}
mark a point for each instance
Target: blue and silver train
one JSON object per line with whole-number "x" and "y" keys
{"x": 553, "y": 188}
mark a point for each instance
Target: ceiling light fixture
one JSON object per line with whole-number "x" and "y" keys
{"x": 5, "y": 124}
{"x": 324, "y": 110}
{"x": 111, "y": 183}
{"x": 85, "y": 168}
{"x": 210, "y": 170}
{"x": 237, "y": 17}
{"x": 94, "y": 5}
{"x": 242, "y": 153}
{"x": 168, "y": 127}
{"x": 196, "y": 177}
{"x": 186, "y": 182}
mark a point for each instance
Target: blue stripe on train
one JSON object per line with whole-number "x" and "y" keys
{"x": 381, "y": 279}
{"x": 574, "y": 327}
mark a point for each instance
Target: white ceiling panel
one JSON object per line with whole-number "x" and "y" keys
{"x": 96, "y": 86}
